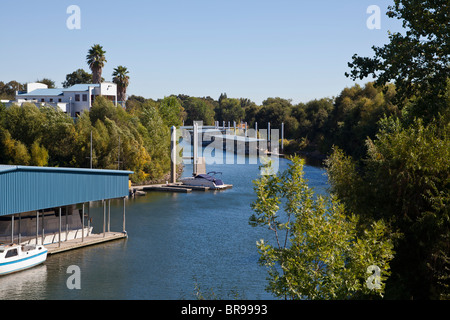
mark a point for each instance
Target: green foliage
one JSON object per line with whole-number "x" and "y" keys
{"x": 39, "y": 155}
{"x": 50, "y": 83}
{"x": 45, "y": 136}
{"x": 416, "y": 61}
{"x": 355, "y": 117}
{"x": 96, "y": 61}
{"x": 76, "y": 77}
{"x": 198, "y": 109}
{"x": 171, "y": 111}
{"x": 231, "y": 110}
{"x": 405, "y": 180}
{"x": 121, "y": 78}
{"x": 8, "y": 90}
{"x": 320, "y": 253}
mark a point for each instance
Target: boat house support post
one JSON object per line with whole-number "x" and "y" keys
{"x": 82, "y": 224}
{"x": 20, "y": 232}
{"x": 37, "y": 226}
{"x": 104, "y": 216}
{"x": 67, "y": 223}
{"x": 109, "y": 215}
{"x": 89, "y": 217}
{"x": 43, "y": 231}
{"x": 123, "y": 216}
{"x": 12, "y": 228}
{"x": 59, "y": 237}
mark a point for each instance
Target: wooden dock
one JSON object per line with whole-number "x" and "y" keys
{"x": 90, "y": 240}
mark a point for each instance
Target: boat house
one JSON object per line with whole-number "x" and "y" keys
{"x": 46, "y": 205}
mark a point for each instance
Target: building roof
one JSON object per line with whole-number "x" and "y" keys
{"x": 58, "y": 91}
{"x": 42, "y": 92}
{"x": 81, "y": 87}
{"x": 26, "y": 188}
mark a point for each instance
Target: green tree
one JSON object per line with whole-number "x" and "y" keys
{"x": 58, "y": 136}
{"x": 8, "y": 90}
{"x": 312, "y": 118}
{"x": 319, "y": 252}
{"x": 171, "y": 111}
{"x": 50, "y": 83}
{"x": 14, "y": 151}
{"x": 103, "y": 108}
{"x": 231, "y": 110}
{"x": 404, "y": 180}
{"x": 277, "y": 111}
{"x": 418, "y": 61}
{"x": 96, "y": 60}
{"x": 157, "y": 140}
{"x": 76, "y": 77}
{"x": 24, "y": 123}
{"x": 39, "y": 155}
{"x": 198, "y": 109}
{"x": 121, "y": 78}
{"x": 355, "y": 116}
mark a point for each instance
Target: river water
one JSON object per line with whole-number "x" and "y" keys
{"x": 178, "y": 245}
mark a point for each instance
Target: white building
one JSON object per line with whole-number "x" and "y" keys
{"x": 72, "y": 100}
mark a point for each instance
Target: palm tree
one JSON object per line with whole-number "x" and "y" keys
{"x": 96, "y": 61}
{"x": 121, "y": 78}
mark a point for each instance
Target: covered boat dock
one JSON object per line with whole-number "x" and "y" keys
{"x": 51, "y": 206}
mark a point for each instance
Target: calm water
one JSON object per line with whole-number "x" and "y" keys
{"x": 176, "y": 242}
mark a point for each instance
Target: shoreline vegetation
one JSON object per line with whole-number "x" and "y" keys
{"x": 386, "y": 147}
{"x": 311, "y": 129}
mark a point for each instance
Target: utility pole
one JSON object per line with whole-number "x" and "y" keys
{"x": 118, "y": 157}
{"x": 91, "y": 152}
{"x": 91, "y": 149}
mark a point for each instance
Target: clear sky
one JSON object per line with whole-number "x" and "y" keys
{"x": 292, "y": 49}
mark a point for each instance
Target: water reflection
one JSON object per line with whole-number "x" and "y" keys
{"x": 27, "y": 284}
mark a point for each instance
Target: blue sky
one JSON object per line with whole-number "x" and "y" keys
{"x": 292, "y": 49}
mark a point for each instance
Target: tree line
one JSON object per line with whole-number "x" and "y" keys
{"x": 138, "y": 140}
{"x": 388, "y": 164}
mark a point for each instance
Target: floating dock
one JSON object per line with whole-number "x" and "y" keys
{"x": 90, "y": 240}
{"x": 173, "y": 187}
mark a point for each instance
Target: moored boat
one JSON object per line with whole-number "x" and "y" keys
{"x": 204, "y": 180}
{"x": 15, "y": 257}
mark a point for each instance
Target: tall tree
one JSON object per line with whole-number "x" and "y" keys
{"x": 317, "y": 252}
{"x": 96, "y": 61}
{"x": 78, "y": 76}
{"x": 50, "y": 83}
{"x": 417, "y": 61}
{"x": 121, "y": 78}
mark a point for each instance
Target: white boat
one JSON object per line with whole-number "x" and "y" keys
{"x": 204, "y": 180}
{"x": 15, "y": 257}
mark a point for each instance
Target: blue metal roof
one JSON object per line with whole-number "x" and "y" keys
{"x": 24, "y": 189}
{"x": 58, "y": 91}
{"x": 42, "y": 92}
{"x": 81, "y": 87}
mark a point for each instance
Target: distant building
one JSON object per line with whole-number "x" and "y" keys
{"x": 72, "y": 100}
